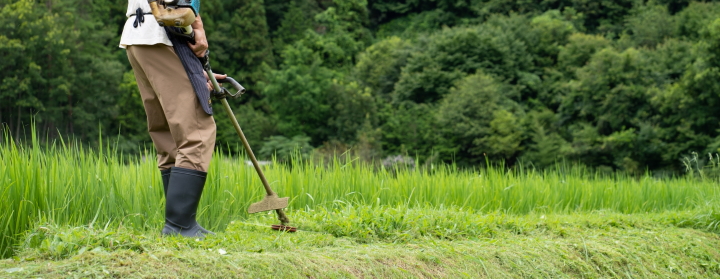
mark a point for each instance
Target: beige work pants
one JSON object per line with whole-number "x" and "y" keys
{"x": 183, "y": 134}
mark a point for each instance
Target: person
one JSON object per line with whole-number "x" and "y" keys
{"x": 180, "y": 124}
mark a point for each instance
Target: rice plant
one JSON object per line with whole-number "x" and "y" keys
{"x": 67, "y": 184}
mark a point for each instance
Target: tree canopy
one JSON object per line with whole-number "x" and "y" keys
{"x": 624, "y": 85}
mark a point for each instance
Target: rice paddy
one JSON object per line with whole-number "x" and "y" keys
{"x": 70, "y": 185}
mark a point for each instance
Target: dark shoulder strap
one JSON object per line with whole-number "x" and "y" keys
{"x": 193, "y": 68}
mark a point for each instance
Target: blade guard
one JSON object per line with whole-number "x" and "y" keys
{"x": 268, "y": 203}
{"x": 172, "y": 15}
{"x": 284, "y": 228}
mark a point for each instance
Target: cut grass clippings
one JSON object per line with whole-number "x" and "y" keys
{"x": 530, "y": 246}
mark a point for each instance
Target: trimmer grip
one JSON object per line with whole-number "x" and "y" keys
{"x": 205, "y": 60}
{"x": 191, "y": 38}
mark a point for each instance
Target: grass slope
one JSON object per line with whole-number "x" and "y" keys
{"x": 589, "y": 245}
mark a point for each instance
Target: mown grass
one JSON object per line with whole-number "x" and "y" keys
{"x": 70, "y": 185}
{"x": 587, "y": 245}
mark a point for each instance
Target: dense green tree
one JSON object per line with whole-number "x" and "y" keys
{"x": 578, "y": 51}
{"x": 298, "y": 20}
{"x": 35, "y": 65}
{"x": 610, "y": 90}
{"x": 353, "y": 106}
{"x": 52, "y": 68}
{"x": 575, "y": 54}
{"x": 545, "y": 144}
{"x": 675, "y": 6}
{"x": 687, "y": 107}
{"x": 691, "y": 21}
{"x": 417, "y": 25}
{"x": 608, "y": 107}
{"x": 549, "y": 32}
{"x": 241, "y": 44}
{"x": 313, "y": 100}
{"x": 310, "y": 93}
{"x": 670, "y": 60}
{"x": 379, "y": 66}
{"x": 452, "y": 53}
{"x": 341, "y": 33}
{"x": 409, "y": 129}
{"x": 649, "y": 26}
{"x": 603, "y": 16}
{"x": 299, "y": 93}
{"x": 386, "y": 10}
{"x": 275, "y": 12}
{"x": 479, "y": 118}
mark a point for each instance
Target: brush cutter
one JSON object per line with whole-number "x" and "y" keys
{"x": 271, "y": 201}
{"x": 181, "y": 14}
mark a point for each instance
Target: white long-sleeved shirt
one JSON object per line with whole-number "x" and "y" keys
{"x": 147, "y": 33}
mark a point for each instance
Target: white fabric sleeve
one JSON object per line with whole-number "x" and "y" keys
{"x": 148, "y": 32}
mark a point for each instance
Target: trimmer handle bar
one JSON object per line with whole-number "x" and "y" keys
{"x": 220, "y": 92}
{"x": 224, "y": 92}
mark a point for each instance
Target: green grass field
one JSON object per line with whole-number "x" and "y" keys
{"x": 74, "y": 212}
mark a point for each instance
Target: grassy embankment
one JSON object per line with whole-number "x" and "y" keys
{"x": 68, "y": 209}
{"x": 589, "y": 245}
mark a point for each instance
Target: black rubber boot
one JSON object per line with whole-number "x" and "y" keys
{"x": 181, "y": 202}
{"x": 165, "y": 175}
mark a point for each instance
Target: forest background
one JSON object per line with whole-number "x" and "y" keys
{"x": 625, "y": 85}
